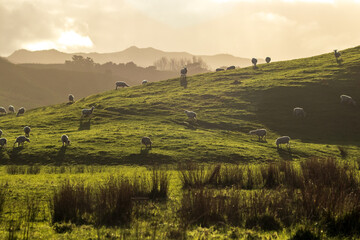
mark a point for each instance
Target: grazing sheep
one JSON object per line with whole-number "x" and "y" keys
{"x": 347, "y": 99}
{"x": 283, "y": 140}
{"x": 144, "y": 82}
{"x": 254, "y": 61}
{"x": 230, "y": 68}
{"x": 1, "y": 132}
{"x": 11, "y": 109}
{"x": 3, "y": 142}
{"x": 20, "y": 111}
{"x": 20, "y": 140}
{"x": 337, "y": 54}
{"x": 299, "y": 112}
{"x": 71, "y": 98}
{"x": 2, "y": 110}
{"x": 65, "y": 140}
{"x": 219, "y": 69}
{"x": 190, "y": 114}
{"x": 146, "y": 141}
{"x": 183, "y": 71}
{"x": 121, "y": 84}
{"x": 261, "y": 133}
{"x": 268, "y": 59}
{"x": 27, "y": 130}
{"x": 87, "y": 112}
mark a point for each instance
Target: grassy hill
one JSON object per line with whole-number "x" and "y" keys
{"x": 226, "y": 112}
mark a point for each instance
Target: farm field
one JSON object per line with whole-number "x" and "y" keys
{"x": 207, "y": 179}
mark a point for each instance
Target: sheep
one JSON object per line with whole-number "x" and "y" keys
{"x": 65, "y": 140}
{"x": 2, "y": 110}
{"x": 190, "y": 114}
{"x": 283, "y": 140}
{"x": 261, "y": 133}
{"x": 21, "y": 111}
{"x": 1, "y": 132}
{"x": 268, "y": 59}
{"x": 87, "y": 112}
{"x": 20, "y": 140}
{"x": 230, "y": 68}
{"x": 71, "y": 98}
{"x": 219, "y": 69}
{"x": 121, "y": 84}
{"x": 299, "y": 112}
{"x": 3, "y": 142}
{"x": 11, "y": 109}
{"x": 254, "y": 61}
{"x": 146, "y": 141}
{"x": 337, "y": 54}
{"x": 347, "y": 99}
{"x": 144, "y": 82}
{"x": 27, "y": 130}
{"x": 183, "y": 71}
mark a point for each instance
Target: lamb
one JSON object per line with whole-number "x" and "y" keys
{"x": 283, "y": 140}
{"x": 87, "y": 112}
{"x": 71, "y": 98}
{"x": 183, "y": 71}
{"x": 121, "y": 84}
{"x": 219, "y": 69}
{"x": 3, "y": 142}
{"x": 144, "y": 82}
{"x": 1, "y": 132}
{"x": 190, "y": 114}
{"x": 65, "y": 140}
{"x": 11, "y": 109}
{"x": 2, "y": 110}
{"x": 230, "y": 68}
{"x": 20, "y": 140}
{"x": 20, "y": 111}
{"x": 347, "y": 99}
{"x": 261, "y": 133}
{"x": 146, "y": 141}
{"x": 27, "y": 130}
{"x": 299, "y": 112}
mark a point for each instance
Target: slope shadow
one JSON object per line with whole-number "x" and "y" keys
{"x": 60, "y": 155}
{"x": 84, "y": 125}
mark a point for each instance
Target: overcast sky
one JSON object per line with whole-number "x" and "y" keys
{"x": 282, "y": 29}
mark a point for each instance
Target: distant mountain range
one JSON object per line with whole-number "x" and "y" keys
{"x": 141, "y": 56}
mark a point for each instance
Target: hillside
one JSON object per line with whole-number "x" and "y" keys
{"x": 141, "y": 56}
{"x": 226, "y": 112}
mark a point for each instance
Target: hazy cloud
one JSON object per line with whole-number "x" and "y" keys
{"x": 281, "y": 29}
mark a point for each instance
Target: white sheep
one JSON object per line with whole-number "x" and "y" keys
{"x": 2, "y": 110}
{"x": 1, "y": 132}
{"x": 144, "y": 82}
{"x": 190, "y": 114}
{"x": 347, "y": 99}
{"x": 121, "y": 84}
{"x": 20, "y": 140}
{"x": 3, "y": 142}
{"x": 261, "y": 133}
{"x": 283, "y": 140}
{"x": 71, "y": 98}
{"x": 11, "y": 109}
{"x": 65, "y": 140}
{"x": 21, "y": 111}
{"x": 146, "y": 141}
{"x": 299, "y": 112}
{"x": 27, "y": 130}
{"x": 87, "y": 112}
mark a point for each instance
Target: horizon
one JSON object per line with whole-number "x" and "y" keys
{"x": 282, "y": 29}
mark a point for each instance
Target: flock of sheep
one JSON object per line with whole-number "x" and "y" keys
{"x": 261, "y": 133}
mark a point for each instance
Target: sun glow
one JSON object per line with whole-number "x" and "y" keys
{"x": 67, "y": 40}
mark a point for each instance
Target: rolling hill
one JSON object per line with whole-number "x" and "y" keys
{"x": 141, "y": 56}
{"x": 226, "y": 112}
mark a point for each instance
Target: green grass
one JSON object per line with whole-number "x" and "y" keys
{"x": 226, "y": 112}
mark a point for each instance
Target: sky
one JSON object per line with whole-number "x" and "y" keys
{"x": 281, "y": 29}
